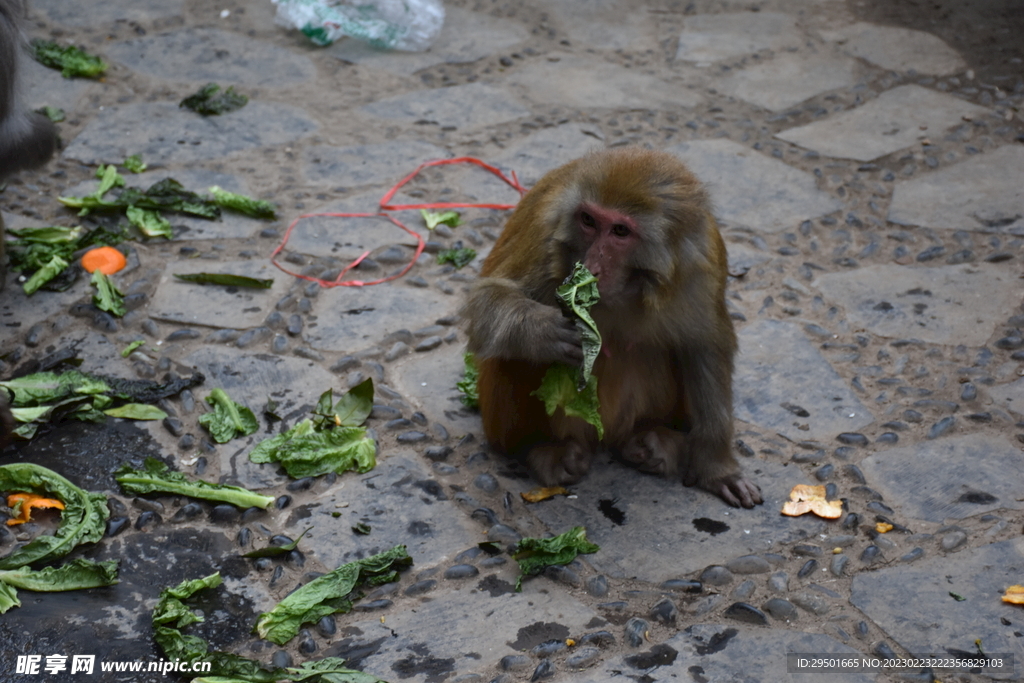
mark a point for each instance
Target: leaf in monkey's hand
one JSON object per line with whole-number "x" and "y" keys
{"x": 558, "y": 390}
{"x": 577, "y": 294}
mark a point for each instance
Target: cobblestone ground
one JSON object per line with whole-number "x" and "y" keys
{"x": 866, "y": 166}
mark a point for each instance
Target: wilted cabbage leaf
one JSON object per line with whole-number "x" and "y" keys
{"x": 70, "y": 60}
{"x": 135, "y": 164}
{"x": 257, "y": 208}
{"x": 578, "y": 294}
{"x": 107, "y": 297}
{"x": 72, "y": 575}
{"x": 559, "y": 389}
{"x": 468, "y": 386}
{"x": 156, "y": 477}
{"x": 226, "y": 279}
{"x": 47, "y": 272}
{"x": 459, "y": 258}
{"x": 228, "y": 418}
{"x": 150, "y": 222}
{"x": 435, "y": 218}
{"x": 534, "y": 554}
{"x": 208, "y": 103}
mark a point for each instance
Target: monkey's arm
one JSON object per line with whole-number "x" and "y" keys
{"x": 505, "y": 323}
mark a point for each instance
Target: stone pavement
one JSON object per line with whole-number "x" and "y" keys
{"x": 869, "y": 180}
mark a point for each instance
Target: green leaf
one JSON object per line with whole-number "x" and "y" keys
{"x": 226, "y": 279}
{"x": 135, "y": 164}
{"x": 70, "y": 60}
{"x": 208, "y": 103}
{"x": 52, "y": 269}
{"x": 361, "y": 529}
{"x": 468, "y": 386}
{"x": 559, "y": 389}
{"x": 433, "y": 219}
{"x": 83, "y": 519}
{"x": 48, "y": 387}
{"x": 305, "y": 452}
{"x": 534, "y": 554}
{"x": 107, "y": 297}
{"x": 354, "y": 407}
{"x": 257, "y": 208}
{"x": 109, "y": 179}
{"x": 69, "y": 576}
{"x": 578, "y": 294}
{"x": 276, "y": 550}
{"x": 165, "y": 195}
{"x": 457, "y": 257}
{"x": 55, "y": 114}
{"x": 150, "y": 222}
{"x": 8, "y": 597}
{"x": 131, "y": 347}
{"x": 52, "y": 234}
{"x": 329, "y": 594}
{"x": 329, "y": 670}
{"x": 228, "y": 418}
{"x": 136, "y": 411}
{"x": 156, "y": 477}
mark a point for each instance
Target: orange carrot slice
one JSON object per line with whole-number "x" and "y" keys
{"x": 107, "y": 260}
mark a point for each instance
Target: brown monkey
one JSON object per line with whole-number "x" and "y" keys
{"x": 641, "y": 222}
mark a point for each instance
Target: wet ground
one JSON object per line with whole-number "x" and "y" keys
{"x": 865, "y": 163}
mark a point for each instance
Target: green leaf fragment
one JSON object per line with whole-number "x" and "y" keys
{"x": 257, "y": 208}
{"x": 577, "y": 295}
{"x": 559, "y": 389}
{"x": 135, "y": 164}
{"x": 55, "y": 114}
{"x": 534, "y": 554}
{"x": 131, "y": 347}
{"x": 208, "y": 103}
{"x": 156, "y": 477}
{"x": 136, "y": 411}
{"x": 361, "y": 529}
{"x": 107, "y": 297}
{"x": 329, "y": 594}
{"x": 52, "y": 269}
{"x": 468, "y": 386}
{"x": 433, "y": 218}
{"x": 52, "y": 234}
{"x": 228, "y": 418}
{"x": 70, "y": 60}
{"x": 226, "y": 279}
{"x": 457, "y": 257}
{"x": 304, "y": 451}
{"x": 73, "y": 575}
{"x": 109, "y": 179}
{"x": 149, "y": 222}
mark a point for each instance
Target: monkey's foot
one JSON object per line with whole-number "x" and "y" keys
{"x": 735, "y": 489}
{"x": 559, "y": 464}
{"x": 655, "y": 451}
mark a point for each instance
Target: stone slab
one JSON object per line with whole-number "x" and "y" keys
{"x": 546, "y": 150}
{"x": 428, "y": 380}
{"x": 200, "y": 55}
{"x": 386, "y": 162}
{"x": 777, "y": 364}
{"x": 912, "y": 603}
{"x": 897, "y": 49}
{"x": 104, "y": 13}
{"x": 658, "y": 539}
{"x": 465, "y": 37}
{"x": 984, "y": 191}
{"x": 896, "y": 119}
{"x": 348, "y": 238}
{"x": 470, "y": 628}
{"x": 402, "y": 503}
{"x": 786, "y": 80}
{"x": 610, "y": 25}
{"x": 585, "y": 84}
{"x": 351, "y": 318}
{"x": 188, "y": 303}
{"x": 951, "y": 478}
{"x": 751, "y": 189}
{"x": 45, "y": 87}
{"x": 743, "y": 257}
{"x": 469, "y": 106}
{"x": 199, "y": 180}
{"x": 732, "y": 652}
{"x": 1009, "y": 396}
{"x": 710, "y": 38}
{"x": 959, "y": 304}
{"x": 164, "y": 133}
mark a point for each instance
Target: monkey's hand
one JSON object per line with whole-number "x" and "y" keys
{"x": 559, "y": 464}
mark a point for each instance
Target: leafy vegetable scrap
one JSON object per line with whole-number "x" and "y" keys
{"x": 107, "y": 297}
{"x": 331, "y": 441}
{"x": 228, "y": 418}
{"x": 70, "y": 60}
{"x": 207, "y": 102}
{"x": 171, "y": 614}
{"x": 458, "y": 257}
{"x": 50, "y": 250}
{"x": 135, "y": 164}
{"x": 435, "y": 218}
{"x": 156, "y": 477}
{"x": 227, "y": 280}
{"x": 535, "y": 554}
{"x": 331, "y": 593}
{"x": 468, "y": 386}
{"x": 256, "y": 208}
{"x": 165, "y": 195}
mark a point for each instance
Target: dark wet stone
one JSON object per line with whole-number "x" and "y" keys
{"x": 882, "y": 649}
{"x": 515, "y": 663}
{"x": 282, "y": 501}
{"x": 223, "y": 336}
{"x": 968, "y": 392}
{"x": 743, "y": 591}
{"x": 915, "y": 554}
{"x": 412, "y": 437}
{"x": 617, "y": 606}
{"x": 224, "y": 514}
{"x": 546, "y": 669}
{"x": 870, "y": 554}
{"x": 748, "y": 564}
{"x": 716, "y": 575}
{"x": 421, "y": 587}
{"x": 601, "y": 639}
{"x": 147, "y": 520}
{"x": 327, "y": 626}
{"x": 116, "y": 525}
{"x": 187, "y": 512}
{"x": 844, "y": 452}
{"x": 306, "y": 643}
{"x": 183, "y": 334}
{"x": 941, "y": 427}
{"x": 808, "y": 568}
{"x": 486, "y": 482}
{"x": 682, "y": 586}
{"x": 174, "y": 426}
{"x": 461, "y": 571}
{"x": 825, "y": 472}
{"x": 373, "y": 605}
{"x": 294, "y": 324}
{"x": 931, "y": 253}
{"x": 468, "y": 555}
{"x": 887, "y": 437}
{"x": 852, "y": 439}
{"x": 548, "y": 648}
{"x": 397, "y": 423}
{"x": 254, "y": 336}
{"x": 281, "y": 659}
{"x": 597, "y": 586}
{"x": 780, "y": 609}
{"x": 913, "y": 416}
{"x": 583, "y": 658}
{"x": 747, "y": 613}
{"x": 244, "y": 537}
{"x": 564, "y": 575}
{"x": 419, "y": 418}
{"x": 147, "y": 504}
{"x": 438, "y": 453}
{"x": 344, "y": 364}
{"x": 636, "y": 631}
{"x": 838, "y": 565}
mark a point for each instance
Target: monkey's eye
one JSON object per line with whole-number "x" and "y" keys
{"x": 620, "y": 230}
{"x": 587, "y": 219}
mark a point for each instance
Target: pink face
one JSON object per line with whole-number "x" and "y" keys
{"x": 610, "y": 236}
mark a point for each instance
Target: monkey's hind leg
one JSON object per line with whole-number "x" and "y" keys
{"x": 657, "y": 450}
{"x": 558, "y": 464}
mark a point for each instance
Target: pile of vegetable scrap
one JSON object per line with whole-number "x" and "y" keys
{"x": 83, "y": 520}
{"x": 46, "y": 397}
{"x": 536, "y": 554}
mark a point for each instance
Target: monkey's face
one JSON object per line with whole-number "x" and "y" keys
{"x": 608, "y": 239}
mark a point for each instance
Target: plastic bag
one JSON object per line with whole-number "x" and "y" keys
{"x": 387, "y": 24}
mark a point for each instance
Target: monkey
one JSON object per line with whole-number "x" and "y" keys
{"x": 641, "y": 222}
{"x": 27, "y": 139}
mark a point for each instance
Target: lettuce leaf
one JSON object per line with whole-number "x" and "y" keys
{"x": 257, "y": 208}
{"x": 156, "y": 477}
{"x": 70, "y": 60}
{"x": 577, "y": 295}
{"x": 228, "y": 418}
{"x": 535, "y": 554}
{"x": 107, "y": 297}
{"x": 73, "y": 575}
{"x": 559, "y": 389}
{"x": 468, "y": 386}
{"x": 149, "y": 222}
{"x": 54, "y": 267}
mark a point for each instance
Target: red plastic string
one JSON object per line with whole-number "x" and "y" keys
{"x": 513, "y": 182}
{"x": 384, "y": 206}
{"x": 420, "y": 244}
